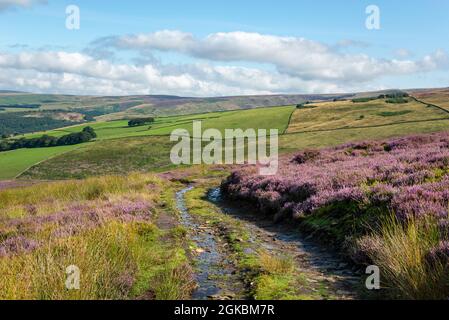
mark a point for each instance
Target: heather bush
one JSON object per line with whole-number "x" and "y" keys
{"x": 410, "y": 177}
{"x": 384, "y": 202}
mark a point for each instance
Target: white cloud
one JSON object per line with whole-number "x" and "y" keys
{"x": 278, "y": 65}
{"x": 81, "y": 74}
{"x": 10, "y": 4}
{"x": 297, "y": 57}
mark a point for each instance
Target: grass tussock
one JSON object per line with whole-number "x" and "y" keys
{"x": 403, "y": 253}
{"x": 278, "y": 278}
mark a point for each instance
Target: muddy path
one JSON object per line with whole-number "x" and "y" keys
{"x": 319, "y": 263}
{"x": 218, "y": 278}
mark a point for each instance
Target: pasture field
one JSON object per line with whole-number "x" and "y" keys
{"x": 118, "y": 156}
{"x": 12, "y": 163}
{"x": 120, "y": 149}
{"x": 141, "y": 154}
{"x": 264, "y": 118}
{"x": 347, "y": 114}
{"x": 149, "y": 153}
{"x": 439, "y": 97}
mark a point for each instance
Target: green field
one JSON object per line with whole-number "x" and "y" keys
{"x": 121, "y": 149}
{"x": 14, "y": 162}
{"x": 263, "y": 118}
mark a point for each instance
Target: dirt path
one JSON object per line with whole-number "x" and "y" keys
{"x": 217, "y": 277}
{"x": 318, "y": 263}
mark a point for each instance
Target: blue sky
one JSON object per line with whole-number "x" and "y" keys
{"x": 222, "y": 47}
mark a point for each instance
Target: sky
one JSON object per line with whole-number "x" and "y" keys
{"x": 221, "y": 48}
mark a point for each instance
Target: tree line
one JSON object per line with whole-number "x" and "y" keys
{"x": 87, "y": 134}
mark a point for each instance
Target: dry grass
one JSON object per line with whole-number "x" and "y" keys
{"x": 95, "y": 225}
{"x": 400, "y": 252}
{"x": 275, "y": 265}
{"x": 346, "y": 114}
{"x": 439, "y": 97}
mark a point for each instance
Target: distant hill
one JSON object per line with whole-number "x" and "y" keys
{"x": 117, "y": 107}
{"x": 9, "y": 91}
{"x": 54, "y": 107}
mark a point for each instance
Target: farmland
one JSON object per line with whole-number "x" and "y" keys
{"x": 346, "y": 114}
{"x": 330, "y": 123}
{"x": 268, "y": 118}
{"x": 439, "y": 97}
{"x": 12, "y": 163}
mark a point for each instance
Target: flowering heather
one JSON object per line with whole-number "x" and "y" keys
{"x": 408, "y": 176}
{"x": 439, "y": 254}
{"x": 72, "y": 220}
{"x": 17, "y": 245}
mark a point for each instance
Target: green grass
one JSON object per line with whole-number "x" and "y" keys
{"x": 399, "y": 250}
{"x": 121, "y": 149}
{"x": 144, "y": 151}
{"x": 107, "y": 157}
{"x": 14, "y": 162}
{"x": 263, "y": 118}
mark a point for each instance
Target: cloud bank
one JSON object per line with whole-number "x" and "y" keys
{"x": 233, "y": 63}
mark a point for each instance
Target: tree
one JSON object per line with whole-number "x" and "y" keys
{"x": 4, "y": 146}
{"x": 140, "y": 122}
{"x": 90, "y": 131}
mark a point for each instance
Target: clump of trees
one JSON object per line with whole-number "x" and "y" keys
{"x": 397, "y": 97}
{"x": 305, "y": 106}
{"x": 394, "y": 95}
{"x": 87, "y": 134}
{"x": 140, "y": 122}
{"x": 396, "y": 100}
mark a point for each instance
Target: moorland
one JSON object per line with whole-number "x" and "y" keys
{"x": 362, "y": 180}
